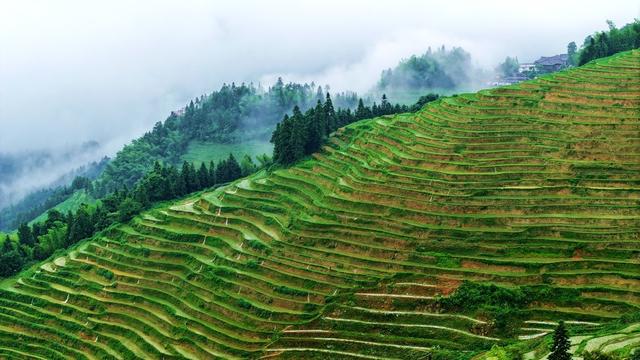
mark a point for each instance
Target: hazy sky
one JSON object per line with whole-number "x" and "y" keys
{"x": 73, "y": 71}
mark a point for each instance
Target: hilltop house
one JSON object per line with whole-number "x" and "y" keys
{"x": 552, "y": 63}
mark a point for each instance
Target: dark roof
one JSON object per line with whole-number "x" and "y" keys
{"x": 561, "y": 59}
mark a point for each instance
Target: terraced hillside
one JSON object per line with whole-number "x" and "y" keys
{"x": 347, "y": 255}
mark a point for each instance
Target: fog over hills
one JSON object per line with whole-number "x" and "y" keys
{"x": 73, "y": 72}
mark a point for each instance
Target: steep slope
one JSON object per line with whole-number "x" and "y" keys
{"x": 345, "y": 255}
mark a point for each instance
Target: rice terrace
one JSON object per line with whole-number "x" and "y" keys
{"x": 502, "y": 223}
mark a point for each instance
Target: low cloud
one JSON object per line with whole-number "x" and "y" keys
{"x": 363, "y": 74}
{"x": 72, "y": 71}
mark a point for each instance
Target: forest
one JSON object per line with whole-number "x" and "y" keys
{"x": 606, "y": 43}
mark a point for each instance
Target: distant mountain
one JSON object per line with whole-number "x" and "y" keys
{"x": 25, "y": 172}
{"x": 39, "y": 201}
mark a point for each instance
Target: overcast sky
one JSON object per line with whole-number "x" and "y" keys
{"x": 73, "y": 71}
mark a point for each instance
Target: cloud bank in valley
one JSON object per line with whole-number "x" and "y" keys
{"x": 73, "y": 71}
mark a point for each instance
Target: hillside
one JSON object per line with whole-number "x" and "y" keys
{"x": 382, "y": 246}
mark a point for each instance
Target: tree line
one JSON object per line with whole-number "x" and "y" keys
{"x": 302, "y": 134}
{"x": 232, "y": 114}
{"x": 38, "y": 241}
{"x": 607, "y": 43}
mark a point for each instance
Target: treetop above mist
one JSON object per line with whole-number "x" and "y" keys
{"x": 440, "y": 69}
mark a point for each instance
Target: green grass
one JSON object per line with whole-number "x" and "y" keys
{"x": 199, "y": 151}
{"x": 70, "y": 204}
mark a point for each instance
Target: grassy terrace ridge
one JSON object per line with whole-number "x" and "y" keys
{"x": 346, "y": 254}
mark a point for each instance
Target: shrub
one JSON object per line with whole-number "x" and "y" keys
{"x": 258, "y": 245}
{"x": 253, "y": 264}
{"x": 290, "y": 291}
{"x": 105, "y": 273}
{"x": 244, "y": 304}
{"x": 597, "y": 355}
{"x": 472, "y": 296}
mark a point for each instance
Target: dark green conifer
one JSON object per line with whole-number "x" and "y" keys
{"x": 561, "y": 344}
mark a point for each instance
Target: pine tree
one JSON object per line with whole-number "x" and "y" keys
{"x": 298, "y": 136}
{"x": 100, "y": 218}
{"x": 362, "y": 112}
{"x": 53, "y": 215}
{"x": 10, "y": 263}
{"x": 203, "y": 176}
{"x": 7, "y": 245}
{"x": 195, "y": 181}
{"x": 233, "y": 168}
{"x": 316, "y": 125}
{"x": 280, "y": 140}
{"x": 385, "y": 107}
{"x": 561, "y": 344}
{"x": 128, "y": 209}
{"x": 247, "y": 165}
{"x": 189, "y": 177}
{"x": 212, "y": 173}
{"x": 222, "y": 175}
{"x": 375, "y": 110}
{"x": 277, "y": 140}
{"x": 572, "y": 49}
{"x": 81, "y": 226}
{"x": 330, "y": 115}
{"x": 319, "y": 94}
{"x": 25, "y": 235}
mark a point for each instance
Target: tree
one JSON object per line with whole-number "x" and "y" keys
{"x": 180, "y": 186}
{"x": 299, "y": 134}
{"x": 100, "y": 218}
{"x": 189, "y": 177}
{"x": 330, "y": 115}
{"x": 286, "y": 150}
{"x": 247, "y": 165}
{"x": 607, "y": 43}
{"x": 572, "y": 52}
{"x": 203, "y": 176}
{"x": 7, "y": 245}
{"x": 233, "y": 168}
{"x": 362, "y": 112}
{"x": 10, "y": 263}
{"x": 128, "y": 209}
{"x": 81, "y": 226}
{"x": 264, "y": 160}
{"x": 385, "y": 107}
{"x": 316, "y": 129}
{"x": 561, "y": 344}
{"x": 53, "y": 215}
{"x": 212, "y": 173}
{"x": 423, "y": 100}
{"x": 25, "y": 235}
{"x": 497, "y": 353}
{"x": 509, "y": 67}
